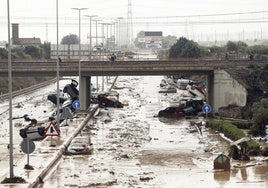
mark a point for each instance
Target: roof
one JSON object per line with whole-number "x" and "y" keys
{"x": 153, "y": 33}
{"x": 30, "y": 41}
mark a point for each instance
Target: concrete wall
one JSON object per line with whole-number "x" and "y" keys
{"x": 227, "y": 91}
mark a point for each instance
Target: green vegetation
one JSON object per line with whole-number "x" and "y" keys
{"x": 243, "y": 125}
{"x": 232, "y": 132}
{"x": 27, "y": 52}
{"x": 137, "y": 41}
{"x": 184, "y": 48}
{"x": 3, "y": 53}
{"x": 228, "y": 129}
{"x": 70, "y": 39}
{"x": 259, "y": 117}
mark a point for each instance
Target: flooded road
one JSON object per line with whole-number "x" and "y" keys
{"x": 133, "y": 148}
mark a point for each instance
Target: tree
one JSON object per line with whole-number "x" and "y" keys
{"x": 3, "y": 53}
{"x": 18, "y": 52}
{"x": 33, "y": 51}
{"x": 137, "y": 41}
{"x": 232, "y": 47}
{"x": 184, "y": 48}
{"x": 46, "y": 50}
{"x": 260, "y": 116}
{"x": 168, "y": 41}
{"x": 70, "y": 39}
{"x": 242, "y": 47}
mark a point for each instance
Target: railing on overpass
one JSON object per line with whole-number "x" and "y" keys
{"x": 129, "y": 67}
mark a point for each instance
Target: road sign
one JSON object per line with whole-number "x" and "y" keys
{"x": 24, "y": 145}
{"x": 76, "y": 104}
{"x": 206, "y": 108}
{"x": 51, "y": 130}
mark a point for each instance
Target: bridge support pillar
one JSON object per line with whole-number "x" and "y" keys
{"x": 84, "y": 94}
{"x": 227, "y": 91}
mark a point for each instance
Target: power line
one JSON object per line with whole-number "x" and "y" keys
{"x": 134, "y": 18}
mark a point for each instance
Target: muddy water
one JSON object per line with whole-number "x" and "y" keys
{"x": 132, "y": 148}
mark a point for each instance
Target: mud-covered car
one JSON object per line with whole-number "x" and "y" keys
{"x": 80, "y": 146}
{"x": 104, "y": 101}
{"x": 175, "y": 112}
{"x": 178, "y": 111}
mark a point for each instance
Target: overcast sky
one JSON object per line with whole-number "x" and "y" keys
{"x": 35, "y": 16}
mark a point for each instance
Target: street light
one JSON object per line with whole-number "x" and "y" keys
{"x": 96, "y": 20}
{"x": 90, "y": 36}
{"x": 79, "y": 52}
{"x": 10, "y": 96}
{"x": 118, "y": 32}
{"x": 58, "y": 65}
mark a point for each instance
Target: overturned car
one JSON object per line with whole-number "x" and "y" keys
{"x": 189, "y": 108}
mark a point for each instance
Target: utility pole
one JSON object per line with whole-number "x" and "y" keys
{"x": 129, "y": 25}
{"x": 118, "y": 32}
{"x": 11, "y": 171}
{"x": 90, "y": 34}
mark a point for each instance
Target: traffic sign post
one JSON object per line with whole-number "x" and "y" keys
{"x": 206, "y": 109}
{"x": 27, "y": 146}
{"x": 76, "y": 104}
{"x": 266, "y": 133}
{"x": 51, "y": 130}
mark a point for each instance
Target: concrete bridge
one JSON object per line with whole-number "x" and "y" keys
{"x": 222, "y": 88}
{"x": 21, "y": 68}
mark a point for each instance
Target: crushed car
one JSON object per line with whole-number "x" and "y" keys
{"x": 80, "y": 146}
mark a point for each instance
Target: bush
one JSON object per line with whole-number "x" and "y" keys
{"x": 228, "y": 129}
{"x": 243, "y": 125}
{"x": 3, "y": 53}
{"x": 234, "y": 133}
{"x": 254, "y": 147}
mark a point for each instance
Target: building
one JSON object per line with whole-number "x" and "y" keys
{"x": 153, "y": 39}
{"x": 23, "y": 41}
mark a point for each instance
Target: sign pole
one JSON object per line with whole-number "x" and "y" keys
{"x": 51, "y": 142}
{"x": 28, "y": 153}
{"x": 206, "y": 109}
{"x": 27, "y": 146}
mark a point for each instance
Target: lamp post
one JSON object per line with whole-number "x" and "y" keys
{"x": 96, "y": 20}
{"x": 79, "y": 53}
{"x": 103, "y": 37}
{"x": 97, "y": 80}
{"x": 10, "y": 97}
{"x": 58, "y": 65}
{"x": 90, "y": 35}
{"x": 118, "y": 32}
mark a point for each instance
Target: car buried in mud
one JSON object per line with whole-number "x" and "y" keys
{"x": 104, "y": 101}
{"x": 80, "y": 146}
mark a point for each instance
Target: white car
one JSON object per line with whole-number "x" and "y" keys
{"x": 168, "y": 89}
{"x": 80, "y": 146}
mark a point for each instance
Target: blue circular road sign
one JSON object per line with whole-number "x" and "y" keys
{"x": 206, "y": 108}
{"x": 76, "y": 104}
